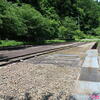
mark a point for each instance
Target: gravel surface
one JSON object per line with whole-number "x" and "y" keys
{"x": 28, "y": 81}
{"x": 41, "y": 81}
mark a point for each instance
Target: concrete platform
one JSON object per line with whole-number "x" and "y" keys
{"x": 92, "y": 52}
{"x": 87, "y": 88}
{"x": 91, "y": 59}
{"x": 90, "y": 74}
{"x": 86, "y": 97}
{"x": 89, "y": 80}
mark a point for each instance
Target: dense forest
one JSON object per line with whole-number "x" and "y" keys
{"x": 39, "y": 20}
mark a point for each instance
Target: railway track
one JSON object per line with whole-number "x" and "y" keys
{"x": 9, "y": 60}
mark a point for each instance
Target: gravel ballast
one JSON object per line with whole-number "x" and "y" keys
{"x": 40, "y": 81}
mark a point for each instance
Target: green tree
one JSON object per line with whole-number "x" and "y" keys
{"x": 91, "y": 14}
{"x": 68, "y": 29}
{"x": 12, "y": 23}
{"x": 49, "y": 19}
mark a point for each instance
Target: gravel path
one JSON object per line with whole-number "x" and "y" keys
{"x": 19, "y": 78}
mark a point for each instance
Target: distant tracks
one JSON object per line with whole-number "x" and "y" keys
{"x": 7, "y": 61}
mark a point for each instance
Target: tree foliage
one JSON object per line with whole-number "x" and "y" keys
{"x": 39, "y": 20}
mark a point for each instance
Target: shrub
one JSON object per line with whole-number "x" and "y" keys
{"x": 63, "y": 32}
{"x": 26, "y": 21}
{"x": 97, "y": 31}
{"x": 68, "y": 28}
{"x": 12, "y": 24}
{"x": 78, "y": 35}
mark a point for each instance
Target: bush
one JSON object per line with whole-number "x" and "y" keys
{"x": 12, "y": 24}
{"x": 39, "y": 27}
{"x": 97, "y": 31}
{"x": 28, "y": 22}
{"x": 34, "y": 21}
{"x": 63, "y": 32}
{"x": 68, "y": 28}
{"x": 78, "y": 35}
{"x": 40, "y": 20}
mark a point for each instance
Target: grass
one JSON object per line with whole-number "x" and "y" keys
{"x": 17, "y": 43}
{"x": 89, "y": 40}
{"x": 10, "y": 43}
{"x": 54, "y": 41}
{"x": 4, "y": 43}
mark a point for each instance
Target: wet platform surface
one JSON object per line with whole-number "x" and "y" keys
{"x": 90, "y": 69}
{"x": 87, "y": 88}
{"x": 87, "y": 97}
{"x": 92, "y": 52}
{"x": 91, "y": 62}
{"x": 89, "y": 80}
{"x": 90, "y": 74}
{"x": 91, "y": 59}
